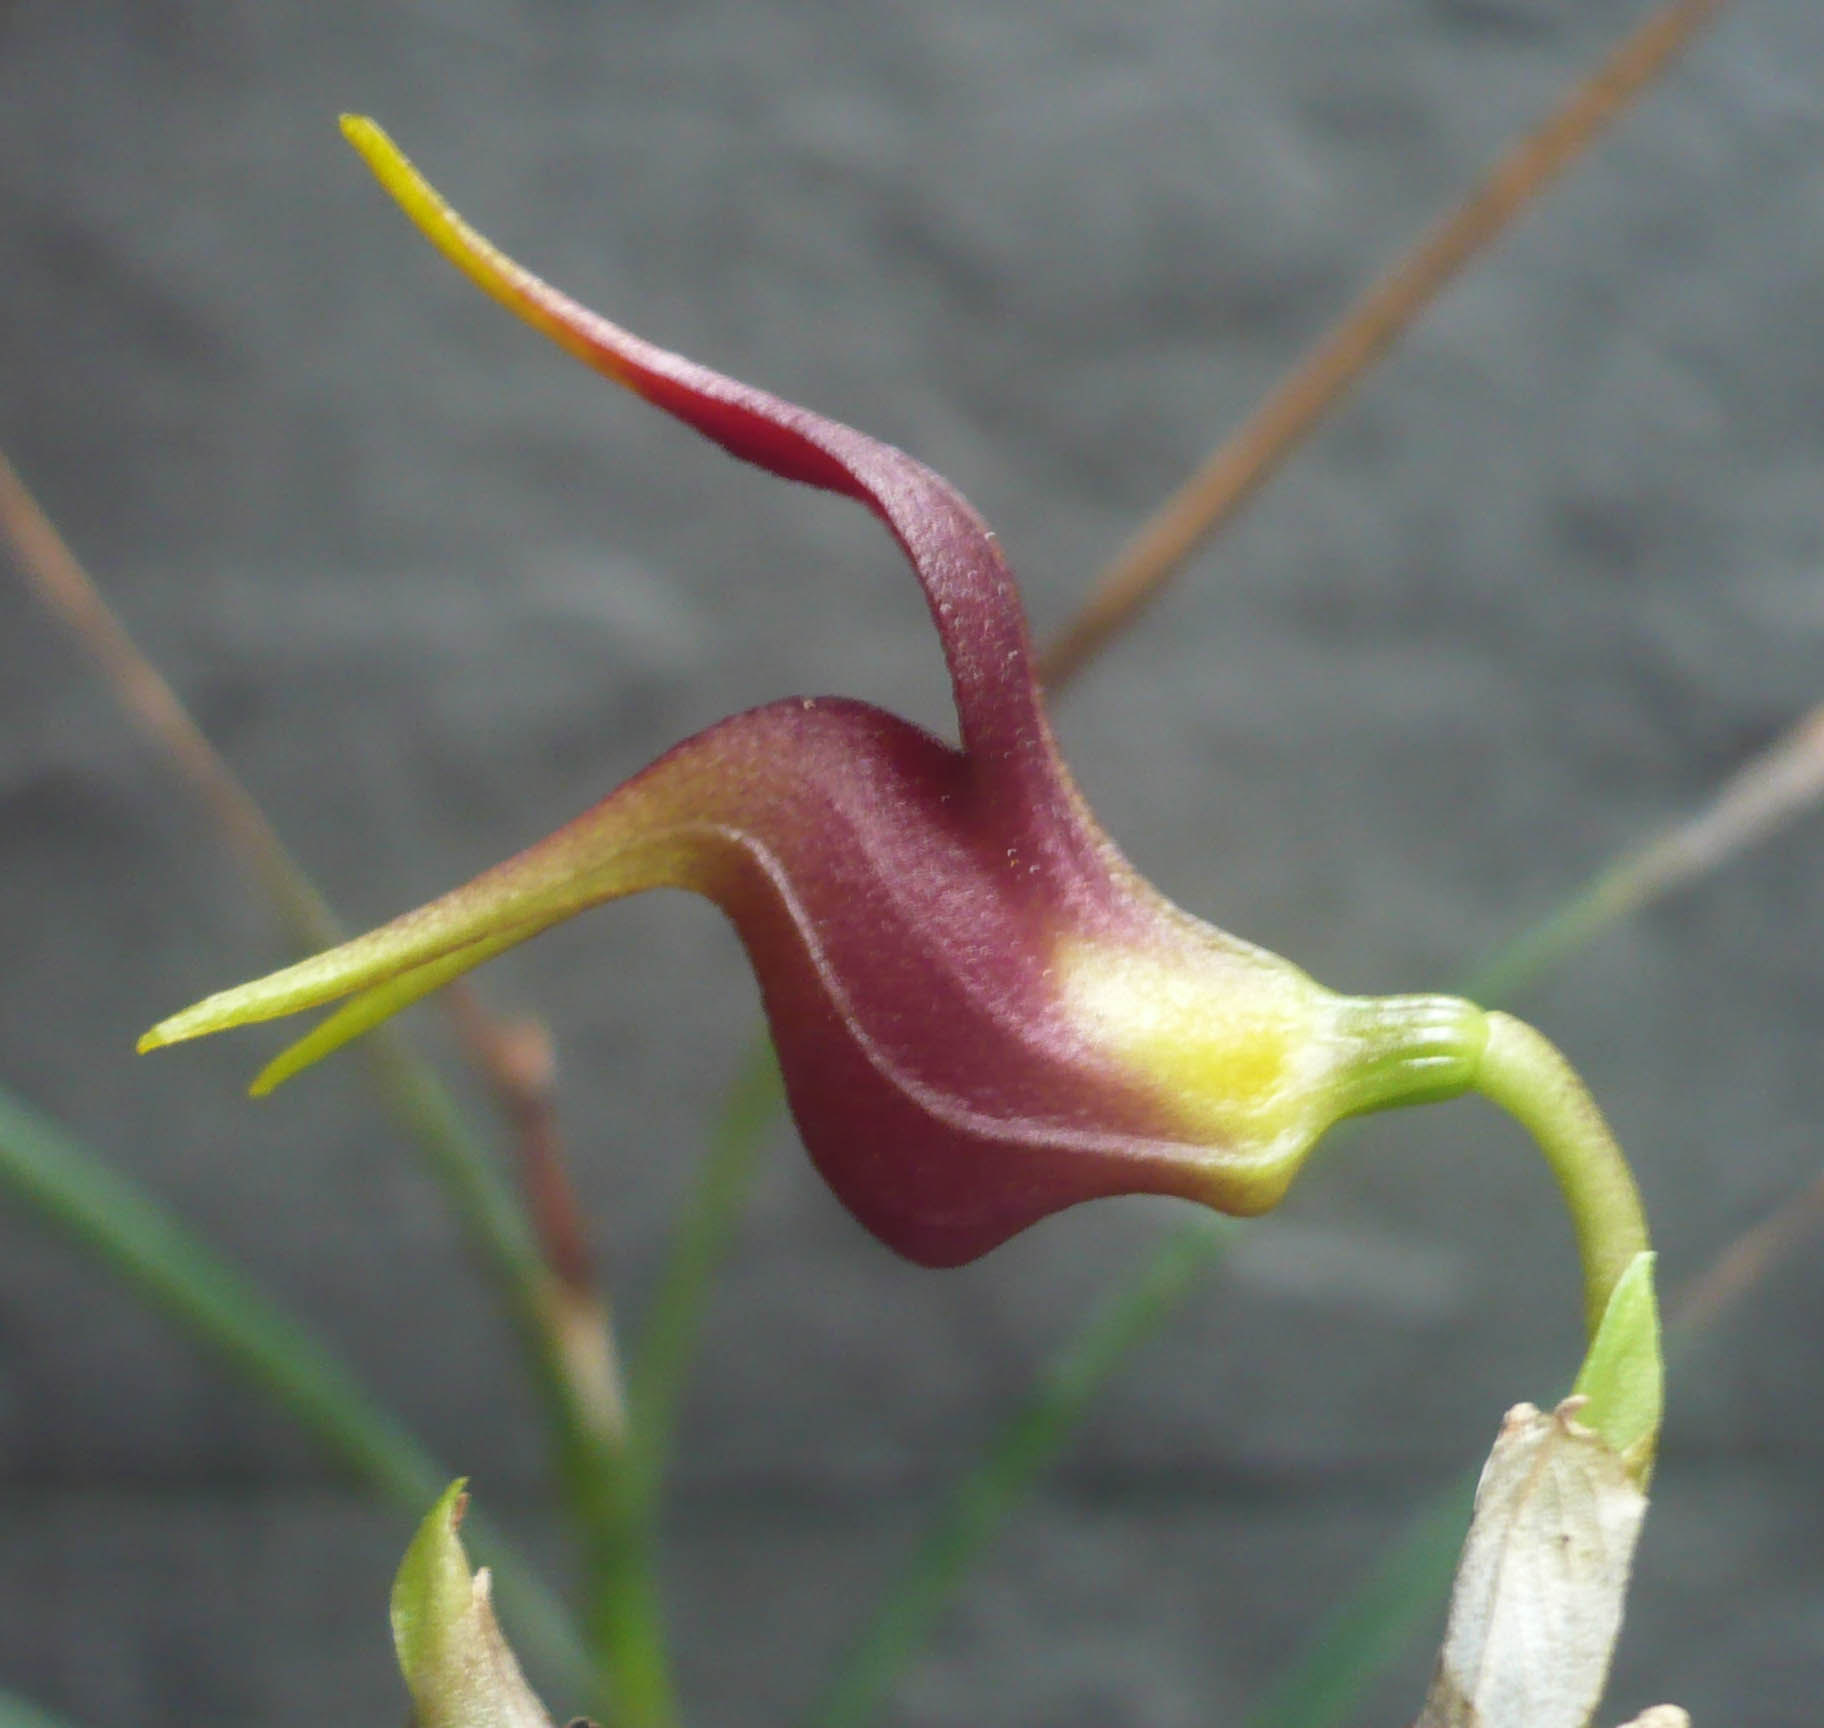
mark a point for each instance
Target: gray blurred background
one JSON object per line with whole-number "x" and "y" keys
{"x": 1554, "y": 573}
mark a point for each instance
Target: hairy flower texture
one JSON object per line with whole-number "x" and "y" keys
{"x": 981, "y": 1011}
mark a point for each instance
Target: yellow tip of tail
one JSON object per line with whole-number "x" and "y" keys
{"x": 393, "y": 169}
{"x": 375, "y": 146}
{"x": 553, "y": 314}
{"x": 477, "y": 258}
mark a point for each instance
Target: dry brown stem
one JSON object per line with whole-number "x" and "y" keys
{"x": 64, "y": 587}
{"x": 520, "y": 1063}
{"x": 1754, "y": 803}
{"x": 1762, "y": 797}
{"x": 1748, "y": 1258}
{"x": 1242, "y": 464}
{"x": 518, "y": 1077}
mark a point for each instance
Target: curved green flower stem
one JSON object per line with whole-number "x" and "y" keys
{"x": 1524, "y": 1074}
{"x": 137, "y": 1239}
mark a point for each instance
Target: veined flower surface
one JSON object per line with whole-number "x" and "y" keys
{"x": 982, "y": 1013}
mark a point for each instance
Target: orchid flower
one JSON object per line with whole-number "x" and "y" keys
{"x": 982, "y": 1013}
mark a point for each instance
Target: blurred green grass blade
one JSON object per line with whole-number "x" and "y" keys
{"x": 143, "y": 1244}
{"x": 699, "y": 1244}
{"x": 1768, "y": 792}
{"x": 977, "y": 1509}
{"x": 53, "y": 573}
{"x": 1356, "y": 1642}
{"x": 496, "y": 1224}
{"x": 626, "y": 1609}
{"x": 1535, "y": 952}
{"x": 499, "y": 1228}
{"x": 17, "y": 1712}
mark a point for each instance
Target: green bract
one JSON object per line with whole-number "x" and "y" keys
{"x": 456, "y": 1663}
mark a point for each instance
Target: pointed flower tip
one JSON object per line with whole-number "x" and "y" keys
{"x": 273, "y": 1076}
{"x": 981, "y": 1013}
{"x": 217, "y": 1013}
{"x": 196, "y": 1021}
{"x": 174, "y": 1029}
{"x": 385, "y": 160}
{"x": 374, "y": 144}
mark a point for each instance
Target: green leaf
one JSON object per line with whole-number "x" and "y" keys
{"x": 146, "y": 1245}
{"x": 699, "y": 1243}
{"x": 981, "y": 1504}
{"x": 17, "y": 1712}
{"x": 1357, "y": 1640}
{"x": 141, "y": 1242}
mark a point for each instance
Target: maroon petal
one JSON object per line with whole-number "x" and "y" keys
{"x": 982, "y": 1013}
